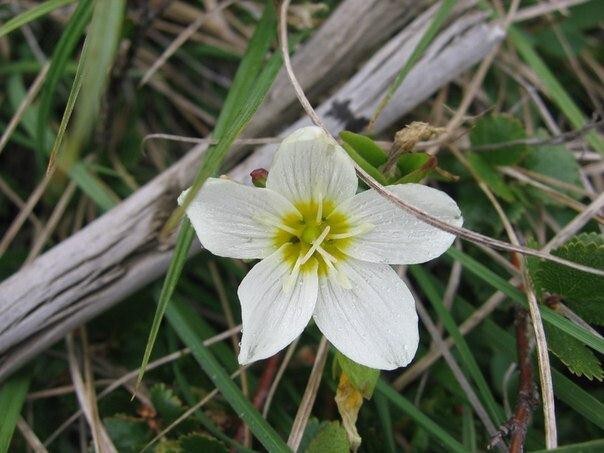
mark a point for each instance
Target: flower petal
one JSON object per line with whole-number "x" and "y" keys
{"x": 309, "y": 166}
{"x": 234, "y": 220}
{"x": 374, "y": 322}
{"x": 398, "y": 237}
{"x": 274, "y": 313}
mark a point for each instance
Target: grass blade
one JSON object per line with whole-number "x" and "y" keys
{"x": 184, "y": 321}
{"x": 63, "y": 50}
{"x": 32, "y": 14}
{"x": 468, "y": 360}
{"x": 12, "y": 397}
{"x": 515, "y": 294}
{"x": 425, "y": 422}
{"x": 554, "y": 88}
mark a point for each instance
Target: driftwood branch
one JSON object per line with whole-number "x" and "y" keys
{"x": 119, "y": 253}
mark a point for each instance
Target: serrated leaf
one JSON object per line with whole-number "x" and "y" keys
{"x": 196, "y": 442}
{"x": 574, "y": 285}
{"x": 489, "y": 175}
{"x": 499, "y": 128}
{"x": 575, "y": 355}
{"x": 166, "y": 403}
{"x": 363, "y": 378}
{"x": 129, "y": 434}
{"x": 331, "y": 438}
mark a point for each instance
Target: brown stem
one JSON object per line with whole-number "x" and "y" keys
{"x": 517, "y": 426}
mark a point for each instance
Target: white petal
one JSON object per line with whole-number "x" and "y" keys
{"x": 374, "y": 322}
{"x": 234, "y": 220}
{"x": 398, "y": 237}
{"x": 274, "y": 314}
{"x": 308, "y": 165}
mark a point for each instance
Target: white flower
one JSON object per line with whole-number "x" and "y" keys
{"x": 325, "y": 252}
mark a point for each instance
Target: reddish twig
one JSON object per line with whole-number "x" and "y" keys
{"x": 517, "y": 426}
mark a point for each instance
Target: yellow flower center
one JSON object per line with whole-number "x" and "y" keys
{"x": 315, "y": 233}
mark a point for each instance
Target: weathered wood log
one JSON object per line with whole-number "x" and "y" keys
{"x": 119, "y": 253}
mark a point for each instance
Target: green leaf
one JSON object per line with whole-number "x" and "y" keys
{"x": 499, "y": 128}
{"x": 58, "y": 64}
{"x": 354, "y": 155}
{"x": 366, "y": 147}
{"x": 185, "y": 321}
{"x": 12, "y": 397}
{"x": 575, "y": 355}
{"x": 415, "y": 167}
{"x": 32, "y": 14}
{"x": 166, "y": 403}
{"x": 361, "y": 377}
{"x": 101, "y": 46}
{"x": 194, "y": 443}
{"x": 489, "y": 175}
{"x": 572, "y": 284}
{"x": 129, "y": 434}
{"x": 331, "y": 438}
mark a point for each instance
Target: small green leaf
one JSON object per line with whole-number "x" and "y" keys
{"x": 572, "y": 284}
{"x": 12, "y": 397}
{"x": 490, "y": 176}
{"x": 129, "y": 434}
{"x": 361, "y": 377}
{"x": 354, "y": 155}
{"x": 414, "y": 167}
{"x": 366, "y": 147}
{"x": 166, "y": 403}
{"x": 331, "y": 438}
{"x": 499, "y": 128}
{"x": 575, "y": 355}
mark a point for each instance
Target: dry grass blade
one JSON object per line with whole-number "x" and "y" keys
{"x": 308, "y": 399}
{"x": 131, "y": 376}
{"x": 30, "y": 437}
{"x": 101, "y": 439}
{"x": 463, "y": 233}
{"x": 181, "y": 39}
{"x": 271, "y": 392}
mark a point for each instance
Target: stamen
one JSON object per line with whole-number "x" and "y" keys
{"x": 315, "y": 245}
{"x": 319, "y": 209}
{"x": 361, "y": 229}
{"x": 327, "y": 257}
{"x": 277, "y": 224}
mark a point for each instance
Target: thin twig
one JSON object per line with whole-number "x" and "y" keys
{"x": 308, "y": 399}
{"x": 25, "y": 103}
{"x": 30, "y": 437}
{"x": 271, "y": 392}
{"x": 182, "y": 38}
{"x": 132, "y": 375}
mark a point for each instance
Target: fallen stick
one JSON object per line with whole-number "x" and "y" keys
{"x": 119, "y": 253}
